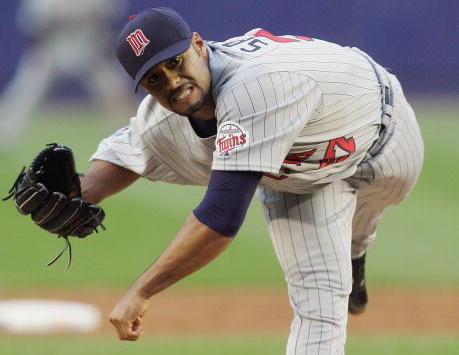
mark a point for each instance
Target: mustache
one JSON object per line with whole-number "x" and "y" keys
{"x": 180, "y": 88}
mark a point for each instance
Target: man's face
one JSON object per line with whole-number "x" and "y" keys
{"x": 182, "y": 84}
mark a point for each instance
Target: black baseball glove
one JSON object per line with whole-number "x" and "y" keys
{"x": 49, "y": 190}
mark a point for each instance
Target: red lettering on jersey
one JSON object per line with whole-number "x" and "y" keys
{"x": 278, "y": 178}
{"x": 298, "y": 158}
{"x": 264, "y": 33}
{"x": 346, "y": 144}
{"x": 225, "y": 144}
{"x": 230, "y": 136}
{"x": 294, "y": 158}
{"x": 138, "y": 41}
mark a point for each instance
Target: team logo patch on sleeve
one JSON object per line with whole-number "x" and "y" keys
{"x": 229, "y": 137}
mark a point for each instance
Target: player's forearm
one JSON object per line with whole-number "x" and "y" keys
{"x": 104, "y": 179}
{"x": 194, "y": 247}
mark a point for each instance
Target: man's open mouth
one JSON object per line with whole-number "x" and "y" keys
{"x": 182, "y": 93}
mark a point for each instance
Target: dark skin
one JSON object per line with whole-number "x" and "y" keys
{"x": 181, "y": 84}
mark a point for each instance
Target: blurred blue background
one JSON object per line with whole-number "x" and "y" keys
{"x": 417, "y": 39}
{"x": 417, "y": 245}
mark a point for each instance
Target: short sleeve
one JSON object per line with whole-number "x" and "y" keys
{"x": 125, "y": 148}
{"x": 259, "y": 120}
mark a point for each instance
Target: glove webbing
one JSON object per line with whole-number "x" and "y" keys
{"x": 16, "y": 183}
{"x": 38, "y": 160}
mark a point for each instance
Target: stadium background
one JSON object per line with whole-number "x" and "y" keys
{"x": 416, "y": 253}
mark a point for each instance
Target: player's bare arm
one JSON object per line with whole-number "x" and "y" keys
{"x": 194, "y": 247}
{"x": 104, "y": 179}
{"x": 204, "y": 235}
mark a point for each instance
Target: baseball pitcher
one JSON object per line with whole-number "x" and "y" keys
{"x": 321, "y": 133}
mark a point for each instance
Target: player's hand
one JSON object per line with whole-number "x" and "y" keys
{"x": 127, "y": 316}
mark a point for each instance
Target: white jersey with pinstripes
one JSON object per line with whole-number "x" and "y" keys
{"x": 307, "y": 112}
{"x": 312, "y": 116}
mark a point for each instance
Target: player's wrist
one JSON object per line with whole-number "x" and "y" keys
{"x": 142, "y": 289}
{"x": 143, "y": 294}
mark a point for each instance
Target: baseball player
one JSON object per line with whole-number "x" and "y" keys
{"x": 322, "y": 132}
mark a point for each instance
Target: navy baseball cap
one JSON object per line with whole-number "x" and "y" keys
{"x": 150, "y": 37}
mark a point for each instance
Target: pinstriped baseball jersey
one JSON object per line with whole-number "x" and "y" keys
{"x": 302, "y": 111}
{"x": 310, "y": 109}
{"x": 336, "y": 150}
{"x": 160, "y": 145}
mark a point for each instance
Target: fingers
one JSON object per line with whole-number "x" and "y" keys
{"x": 59, "y": 214}
{"x": 77, "y": 226}
{"x": 130, "y": 330}
{"x": 73, "y": 210}
{"x": 75, "y": 214}
{"x": 51, "y": 208}
{"x": 98, "y": 213}
{"x": 28, "y": 200}
{"x": 127, "y": 316}
{"x": 87, "y": 222}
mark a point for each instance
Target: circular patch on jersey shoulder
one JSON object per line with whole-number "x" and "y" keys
{"x": 230, "y": 136}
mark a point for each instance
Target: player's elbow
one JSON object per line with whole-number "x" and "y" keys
{"x": 218, "y": 218}
{"x": 227, "y": 199}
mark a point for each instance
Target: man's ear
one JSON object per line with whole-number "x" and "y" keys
{"x": 199, "y": 44}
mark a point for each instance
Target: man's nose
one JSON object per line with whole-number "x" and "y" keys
{"x": 173, "y": 79}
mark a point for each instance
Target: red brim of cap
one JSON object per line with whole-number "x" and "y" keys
{"x": 171, "y": 51}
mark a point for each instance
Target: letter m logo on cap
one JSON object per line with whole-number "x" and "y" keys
{"x": 138, "y": 41}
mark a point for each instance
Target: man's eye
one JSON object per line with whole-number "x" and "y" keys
{"x": 153, "y": 80}
{"x": 174, "y": 62}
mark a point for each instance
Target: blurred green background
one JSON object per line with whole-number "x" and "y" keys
{"x": 417, "y": 242}
{"x": 231, "y": 345}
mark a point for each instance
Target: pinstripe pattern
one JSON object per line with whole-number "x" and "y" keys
{"x": 311, "y": 234}
{"x": 160, "y": 145}
{"x": 384, "y": 177}
{"x": 389, "y": 171}
{"x": 292, "y": 98}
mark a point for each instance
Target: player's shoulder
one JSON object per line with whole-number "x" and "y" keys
{"x": 258, "y": 42}
{"x": 259, "y": 53}
{"x": 150, "y": 115}
{"x": 233, "y": 61}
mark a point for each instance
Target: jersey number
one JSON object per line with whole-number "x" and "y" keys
{"x": 254, "y": 44}
{"x": 345, "y": 144}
